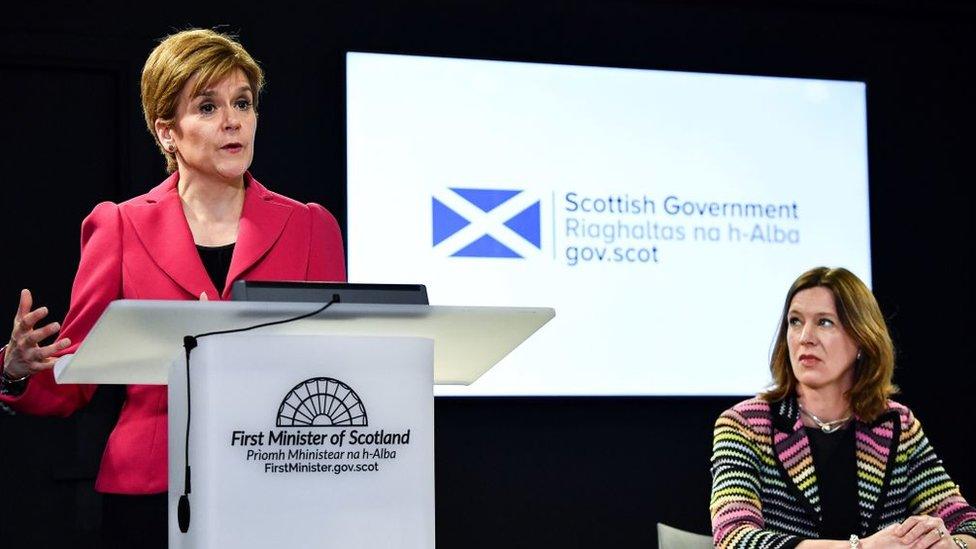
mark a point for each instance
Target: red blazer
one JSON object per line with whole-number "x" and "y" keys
{"x": 143, "y": 249}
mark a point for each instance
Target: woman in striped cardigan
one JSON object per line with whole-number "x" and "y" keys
{"x": 825, "y": 459}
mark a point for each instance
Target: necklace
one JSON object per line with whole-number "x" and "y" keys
{"x": 825, "y": 426}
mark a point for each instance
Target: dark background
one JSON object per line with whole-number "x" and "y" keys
{"x": 520, "y": 472}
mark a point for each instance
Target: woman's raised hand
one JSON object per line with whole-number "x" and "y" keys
{"x": 23, "y": 355}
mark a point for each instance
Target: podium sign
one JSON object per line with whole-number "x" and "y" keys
{"x": 305, "y": 441}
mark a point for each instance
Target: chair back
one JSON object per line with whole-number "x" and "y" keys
{"x": 669, "y": 537}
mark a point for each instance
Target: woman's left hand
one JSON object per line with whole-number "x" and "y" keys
{"x": 924, "y": 532}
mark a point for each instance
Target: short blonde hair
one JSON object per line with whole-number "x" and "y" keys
{"x": 208, "y": 55}
{"x": 861, "y": 318}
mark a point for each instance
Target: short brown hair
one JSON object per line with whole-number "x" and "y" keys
{"x": 206, "y": 54}
{"x": 861, "y": 318}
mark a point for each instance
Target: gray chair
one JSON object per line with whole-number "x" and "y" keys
{"x": 673, "y": 538}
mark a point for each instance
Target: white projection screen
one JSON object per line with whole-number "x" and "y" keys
{"x": 662, "y": 214}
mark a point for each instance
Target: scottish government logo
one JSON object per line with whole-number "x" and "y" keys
{"x": 498, "y": 223}
{"x": 321, "y": 402}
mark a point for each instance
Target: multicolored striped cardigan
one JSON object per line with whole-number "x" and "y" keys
{"x": 764, "y": 486}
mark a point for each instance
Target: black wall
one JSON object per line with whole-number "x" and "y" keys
{"x": 567, "y": 472}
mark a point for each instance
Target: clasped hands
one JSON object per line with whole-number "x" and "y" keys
{"x": 917, "y": 532}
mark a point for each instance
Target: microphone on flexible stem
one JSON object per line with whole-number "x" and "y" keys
{"x": 190, "y": 343}
{"x": 183, "y": 508}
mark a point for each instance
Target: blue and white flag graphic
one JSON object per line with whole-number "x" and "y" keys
{"x": 500, "y": 223}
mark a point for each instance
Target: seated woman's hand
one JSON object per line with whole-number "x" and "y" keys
{"x": 924, "y": 532}
{"x": 24, "y": 356}
{"x": 886, "y": 538}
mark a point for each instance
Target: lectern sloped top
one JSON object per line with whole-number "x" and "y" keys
{"x": 134, "y": 341}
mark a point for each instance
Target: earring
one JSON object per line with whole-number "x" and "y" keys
{"x": 171, "y": 148}
{"x": 859, "y": 355}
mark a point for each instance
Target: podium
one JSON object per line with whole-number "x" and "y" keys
{"x": 317, "y": 433}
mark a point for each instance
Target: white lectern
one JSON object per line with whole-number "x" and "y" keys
{"x": 317, "y": 433}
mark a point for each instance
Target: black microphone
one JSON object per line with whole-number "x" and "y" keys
{"x": 190, "y": 343}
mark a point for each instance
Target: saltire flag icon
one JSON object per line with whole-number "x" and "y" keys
{"x": 486, "y": 223}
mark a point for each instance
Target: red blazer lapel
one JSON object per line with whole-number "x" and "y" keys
{"x": 161, "y": 226}
{"x": 262, "y": 221}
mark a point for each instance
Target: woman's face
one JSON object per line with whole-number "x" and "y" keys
{"x": 214, "y": 131}
{"x": 821, "y": 352}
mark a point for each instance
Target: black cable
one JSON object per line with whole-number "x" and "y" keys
{"x": 190, "y": 343}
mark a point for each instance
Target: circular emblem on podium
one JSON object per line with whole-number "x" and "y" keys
{"x": 321, "y": 402}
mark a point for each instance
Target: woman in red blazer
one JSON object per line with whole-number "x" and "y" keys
{"x": 210, "y": 223}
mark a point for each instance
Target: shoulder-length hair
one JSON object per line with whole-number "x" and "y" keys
{"x": 861, "y": 318}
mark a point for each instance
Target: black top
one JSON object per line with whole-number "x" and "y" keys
{"x": 835, "y": 463}
{"x": 216, "y": 260}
